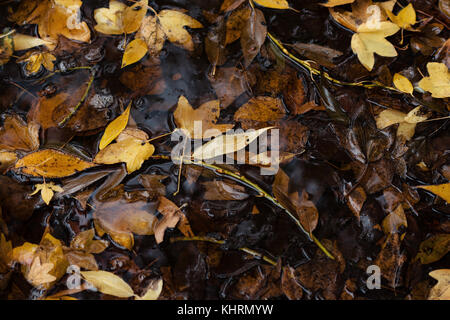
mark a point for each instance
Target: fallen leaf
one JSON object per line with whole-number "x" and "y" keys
{"x": 407, "y": 122}
{"x": 171, "y": 216}
{"x": 208, "y": 113}
{"x": 405, "y": 18}
{"x": 253, "y": 35}
{"x": 369, "y": 40}
{"x": 47, "y": 191}
{"x": 17, "y": 135}
{"x": 290, "y": 284}
{"x": 85, "y": 241}
{"x": 119, "y": 18}
{"x": 355, "y": 201}
{"x": 402, "y": 83}
{"x": 153, "y": 35}
{"x": 5, "y": 250}
{"x": 259, "y": 109}
{"x": 438, "y": 81}
{"x": 173, "y": 24}
{"x": 394, "y": 221}
{"x": 235, "y": 24}
{"x": 24, "y": 42}
{"x": 441, "y": 291}
{"x": 434, "y": 248}
{"x": 108, "y": 283}
{"x": 115, "y": 128}
{"x": 226, "y": 144}
{"x": 442, "y": 190}
{"x": 130, "y": 148}
{"x": 224, "y": 190}
{"x": 134, "y": 52}
{"x": 273, "y": 4}
{"x": 153, "y": 290}
{"x": 51, "y": 163}
{"x": 229, "y": 5}
{"x": 7, "y": 160}
{"x": 334, "y": 3}
{"x": 6, "y": 47}
{"x": 152, "y": 183}
{"x": 39, "y": 274}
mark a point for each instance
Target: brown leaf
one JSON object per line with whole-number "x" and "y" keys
{"x": 355, "y": 201}
{"x": 17, "y": 135}
{"x": 152, "y": 183}
{"x": 236, "y": 23}
{"x": 391, "y": 259}
{"x": 290, "y": 285}
{"x": 171, "y": 216}
{"x": 229, "y": 83}
{"x": 223, "y": 190}
{"x": 259, "y": 109}
{"x": 253, "y": 35}
{"x": 229, "y": 5}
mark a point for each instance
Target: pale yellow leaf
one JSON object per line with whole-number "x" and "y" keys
{"x": 113, "y": 129}
{"x": 402, "y": 83}
{"x": 173, "y": 23}
{"x": 39, "y": 273}
{"x": 110, "y": 20}
{"x": 133, "y": 16}
{"x": 415, "y": 116}
{"x": 108, "y": 283}
{"x": 273, "y": 4}
{"x": 225, "y": 144}
{"x": 441, "y": 291}
{"x": 47, "y": 191}
{"x": 24, "y": 42}
{"x": 134, "y": 52}
{"x": 438, "y": 81}
{"x": 442, "y": 190}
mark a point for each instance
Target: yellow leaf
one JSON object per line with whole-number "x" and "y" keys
{"x": 402, "y": 83}
{"x": 6, "y": 47}
{"x": 407, "y": 122}
{"x": 405, "y": 18}
{"x": 369, "y": 40}
{"x": 334, "y": 3}
{"x": 5, "y": 249}
{"x": 153, "y": 290}
{"x": 47, "y": 190}
{"x": 7, "y": 159}
{"x": 119, "y": 18}
{"x": 273, "y": 4}
{"x": 442, "y": 190}
{"x": 395, "y": 220}
{"x": 51, "y": 163}
{"x": 25, "y": 253}
{"x": 153, "y": 34}
{"x": 173, "y": 24}
{"x": 24, "y": 42}
{"x": 134, "y": 52}
{"x": 108, "y": 283}
{"x": 415, "y": 116}
{"x": 438, "y": 81}
{"x": 207, "y": 114}
{"x": 129, "y": 149}
{"x": 36, "y": 60}
{"x": 441, "y": 291}
{"x": 115, "y": 128}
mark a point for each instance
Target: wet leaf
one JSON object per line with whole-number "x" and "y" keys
{"x": 334, "y": 3}
{"x": 235, "y": 24}
{"x": 153, "y": 35}
{"x": 402, "y": 83}
{"x": 171, "y": 216}
{"x": 442, "y": 190}
{"x": 24, "y": 42}
{"x": 273, "y": 4}
{"x": 225, "y": 144}
{"x": 434, "y": 248}
{"x": 259, "y": 110}
{"x": 129, "y": 148}
{"x": 253, "y": 35}
{"x": 394, "y": 221}
{"x": 290, "y": 284}
{"x": 47, "y": 191}
{"x": 438, "y": 81}
{"x": 115, "y": 128}
{"x": 206, "y": 115}
{"x": 405, "y": 18}
{"x": 441, "y": 291}
{"x": 134, "y": 52}
{"x": 229, "y": 5}
{"x": 108, "y": 283}
{"x": 173, "y": 24}
{"x": 153, "y": 290}
{"x": 407, "y": 122}
{"x": 51, "y": 163}
{"x": 39, "y": 274}
{"x": 369, "y": 40}
{"x": 224, "y": 190}
{"x": 17, "y": 135}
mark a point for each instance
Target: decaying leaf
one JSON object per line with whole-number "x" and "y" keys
{"x": 130, "y": 148}
{"x": 34, "y": 62}
{"x": 52, "y": 163}
{"x": 203, "y": 118}
{"x": 108, "y": 283}
{"x": 224, "y": 190}
{"x": 434, "y": 248}
{"x": 438, "y": 81}
{"x": 260, "y": 110}
{"x": 47, "y": 191}
{"x": 441, "y": 291}
{"x": 253, "y": 35}
{"x": 171, "y": 216}
{"x": 442, "y": 190}
{"x": 17, "y": 135}
{"x": 115, "y": 128}
{"x": 394, "y": 221}
{"x": 153, "y": 35}
{"x": 153, "y": 290}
